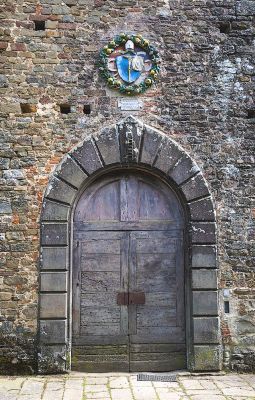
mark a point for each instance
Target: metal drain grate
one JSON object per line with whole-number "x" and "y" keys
{"x": 157, "y": 378}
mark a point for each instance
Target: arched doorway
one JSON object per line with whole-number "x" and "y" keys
{"x": 129, "y": 146}
{"x": 128, "y": 276}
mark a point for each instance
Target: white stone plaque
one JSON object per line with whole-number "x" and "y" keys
{"x": 130, "y": 104}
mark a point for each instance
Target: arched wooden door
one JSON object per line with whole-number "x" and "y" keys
{"x": 128, "y": 277}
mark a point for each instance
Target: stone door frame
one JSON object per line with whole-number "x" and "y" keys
{"x": 129, "y": 144}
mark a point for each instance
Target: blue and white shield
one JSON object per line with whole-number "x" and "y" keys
{"x": 129, "y": 66}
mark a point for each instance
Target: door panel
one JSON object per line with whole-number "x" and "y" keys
{"x": 155, "y": 270}
{"x": 128, "y": 238}
{"x": 101, "y": 272}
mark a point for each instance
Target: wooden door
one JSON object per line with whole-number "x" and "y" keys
{"x": 128, "y": 239}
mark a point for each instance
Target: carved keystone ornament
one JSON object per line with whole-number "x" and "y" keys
{"x": 129, "y": 63}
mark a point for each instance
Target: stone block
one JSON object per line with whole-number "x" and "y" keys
{"x": 108, "y": 146}
{"x": 14, "y": 174}
{"x": 204, "y": 279}
{"x": 129, "y": 135}
{"x": 202, "y": 210}
{"x": 10, "y": 108}
{"x": 54, "y": 258}
{"x": 206, "y": 330}
{"x": 183, "y": 170}
{"x": 87, "y": 156}
{"x": 151, "y": 143}
{"x": 53, "y": 305}
{"x": 54, "y": 211}
{"x": 207, "y": 358}
{"x": 168, "y": 155}
{"x": 196, "y": 187}
{"x": 54, "y": 234}
{"x": 53, "y": 281}
{"x": 4, "y": 163}
{"x": 203, "y": 232}
{"x": 60, "y": 191}
{"x": 5, "y": 206}
{"x": 205, "y": 303}
{"x": 71, "y": 172}
{"x": 204, "y": 256}
{"x": 53, "y": 331}
{"x": 52, "y": 359}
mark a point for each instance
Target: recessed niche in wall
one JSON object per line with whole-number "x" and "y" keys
{"x": 225, "y": 27}
{"x": 226, "y": 307}
{"x": 39, "y": 25}
{"x": 28, "y": 108}
{"x": 65, "y": 108}
{"x": 251, "y": 113}
{"x": 86, "y": 109}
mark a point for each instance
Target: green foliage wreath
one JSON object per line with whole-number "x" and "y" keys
{"x": 114, "y": 83}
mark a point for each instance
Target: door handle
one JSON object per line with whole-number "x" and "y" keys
{"x": 122, "y": 298}
{"x": 126, "y": 298}
{"x": 136, "y": 298}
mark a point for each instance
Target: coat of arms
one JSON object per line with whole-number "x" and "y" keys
{"x": 129, "y": 63}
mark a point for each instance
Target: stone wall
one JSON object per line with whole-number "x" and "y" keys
{"x": 48, "y": 53}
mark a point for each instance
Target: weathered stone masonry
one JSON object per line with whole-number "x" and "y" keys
{"x": 203, "y": 101}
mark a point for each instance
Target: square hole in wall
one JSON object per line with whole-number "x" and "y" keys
{"x": 39, "y": 25}
{"x": 65, "y": 108}
{"x": 225, "y": 27}
{"x": 28, "y": 108}
{"x": 87, "y": 109}
{"x": 226, "y": 307}
{"x": 251, "y": 113}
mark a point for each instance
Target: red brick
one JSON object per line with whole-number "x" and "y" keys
{"x": 3, "y": 45}
{"x": 18, "y": 46}
{"x": 69, "y": 26}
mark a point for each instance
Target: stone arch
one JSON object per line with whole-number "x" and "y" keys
{"x": 129, "y": 143}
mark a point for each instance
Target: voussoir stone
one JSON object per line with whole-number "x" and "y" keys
{"x": 52, "y": 211}
{"x": 194, "y": 188}
{"x": 151, "y": 143}
{"x": 108, "y": 146}
{"x": 87, "y": 156}
{"x": 202, "y": 210}
{"x": 71, "y": 172}
{"x": 60, "y": 191}
{"x": 168, "y": 155}
{"x": 184, "y": 169}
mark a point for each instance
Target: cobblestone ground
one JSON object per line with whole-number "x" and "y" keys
{"x": 126, "y": 387}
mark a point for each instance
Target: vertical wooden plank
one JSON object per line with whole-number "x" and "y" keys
{"x": 124, "y": 274}
{"x": 132, "y": 198}
{"x": 123, "y": 199}
{"x": 76, "y": 286}
{"x": 180, "y": 282}
{"x": 132, "y": 282}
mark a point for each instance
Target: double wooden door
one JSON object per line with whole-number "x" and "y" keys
{"x": 128, "y": 279}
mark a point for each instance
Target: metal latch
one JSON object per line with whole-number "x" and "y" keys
{"x": 126, "y": 298}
